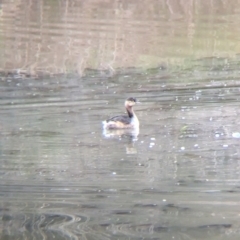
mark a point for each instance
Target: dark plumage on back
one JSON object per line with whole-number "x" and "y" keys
{"x": 123, "y": 119}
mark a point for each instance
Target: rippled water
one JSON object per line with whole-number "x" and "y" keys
{"x": 68, "y": 65}
{"x": 62, "y": 178}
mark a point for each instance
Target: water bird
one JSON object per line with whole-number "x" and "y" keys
{"x": 129, "y": 121}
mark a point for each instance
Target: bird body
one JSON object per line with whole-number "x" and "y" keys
{"x": 129, "y": 121}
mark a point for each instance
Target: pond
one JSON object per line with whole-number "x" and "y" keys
{"x": 68, "y": 65}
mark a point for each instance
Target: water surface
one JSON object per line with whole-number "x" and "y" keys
{"x": 68, "y": 65}
{"x": 62, "y": 178}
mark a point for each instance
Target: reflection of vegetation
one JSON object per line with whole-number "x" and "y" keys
{"x": 73, "y": 36}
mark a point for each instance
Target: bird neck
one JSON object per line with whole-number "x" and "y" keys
{"x": 130, "y": 111}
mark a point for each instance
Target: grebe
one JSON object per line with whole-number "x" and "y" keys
{"x": 124, "y": 122}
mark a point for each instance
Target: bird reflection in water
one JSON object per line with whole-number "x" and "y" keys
{"x": 130, "y": 136}
{"x": 124, "y": 126}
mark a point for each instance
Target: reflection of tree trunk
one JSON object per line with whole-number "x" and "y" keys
{"x": 173, "y": 7}
{"x": 188, "y": 12}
